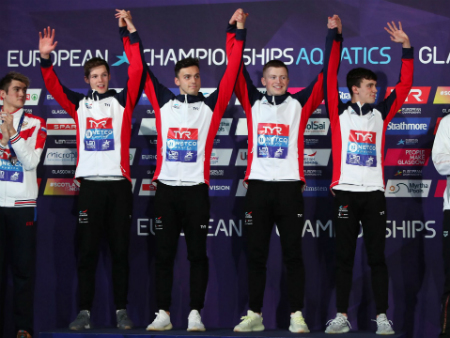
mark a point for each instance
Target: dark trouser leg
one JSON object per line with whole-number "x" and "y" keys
{"x": 91, "y": 216}
{"x": 196, "y": 202}
{"x": 22, "y": 235}
{"x": 167, "y": 231}
{"x": 258, "y": 223}
{"x": 347, "y": 229}
{"x": 289, "y": 219}
{"x": 445, "y": 311}
{"x": 373, "y": 218}
{"x": 120, "y": 206}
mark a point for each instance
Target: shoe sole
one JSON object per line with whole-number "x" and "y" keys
{"x": 196, "y": 330}
{"x": 87, "y": 327}
{"x": 125, "y": 328}
{"x": 385, "y": 334}
{"x": 165, "y": 328}
{"x": 299, "y": 331}
{"x": 258, "y": 329}
{"x": 345, "y": 331}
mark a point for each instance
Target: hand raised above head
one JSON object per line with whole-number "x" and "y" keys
{"x": 397, "y": 34}
{"x": 335, "y": 22}
{"x": 125, "y": 19}
{"x": 46, "y": 42}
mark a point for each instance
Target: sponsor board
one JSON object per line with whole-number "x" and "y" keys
{"x": 241, "y": 159}
{"x": 148, "y": 127}
{"x": 68, "y": 141}
{"x": 409, "y": 173}
{"x": 60, "y": 156}
{"x": 442, "y": 95}
{"x": 59, "y": 112}
{"x": 148, "y": 156}
{"x": 317, "y": 188}
{"x": 408, "y": 142}
{"x": 61, "y": 186}
{"x": 417, "y": 95}
{"x": 221, "y": 157}
{"x": 316, "y": 157}
{"x": 408, "y": 188}
{"x": 408, "y": 126}
{"x": 147, "y": 188}
{"x": 132, "y": 155}
{"x": 225, "y": 126}
{"x": 411, "y": 111}
{"x": 407, "y": 157}
{"x": 217, "y": 172}
{"x": 32, "y": 97}
{"x": 220, "y": 187}
{"x": 317, "y": 126}
{"x": 61, "y": 127}
{"x": 313, "y": 172}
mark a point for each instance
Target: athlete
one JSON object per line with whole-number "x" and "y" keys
{"x": 22, "y": 140}
{"x": 103, "y": 120}
{"x": 276, "y": 122}
{"x": 186, "y": 125}
{"x": 358, "y": 132}
{"x": 441, "y": 160}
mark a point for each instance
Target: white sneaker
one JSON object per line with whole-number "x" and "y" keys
{"x": 161, "y": 322}
{"x": 340, "y": 324}
{"x": 298, "y": 324}
{"x": 195, "y": 321}
{"x": 384, "y": 326}
{"x": 251, "y": 322}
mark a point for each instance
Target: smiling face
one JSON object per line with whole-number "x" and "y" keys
{"x": 98, "y": 79}
{"x": 15, "y": 96}
{"x": 276, "y": 80}
{"x": 188, "y": 80}
{"x": 366, "y": 92}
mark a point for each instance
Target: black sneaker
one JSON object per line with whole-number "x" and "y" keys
{"x": 123, "y": 322}
{"x": 83, "y": 321}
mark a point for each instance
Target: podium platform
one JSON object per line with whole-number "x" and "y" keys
{"x": 215, "y": 333}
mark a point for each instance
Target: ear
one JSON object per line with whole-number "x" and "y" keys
{"x": 177, "y": 82}
{"x": 109, "y": 77}
{"x": 263, "y": 81}
{"x": 355, "y": 90}
{"x": 86, "y": 80}
{"x": 2, "y": 94}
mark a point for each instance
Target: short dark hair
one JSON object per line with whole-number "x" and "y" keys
{"x": 8, "y": 78}
{"x": 185, "y": 63}
{"x": 92, "y": 63}
{"x": 275, "y": 64}
{"x": 355, "y": 76}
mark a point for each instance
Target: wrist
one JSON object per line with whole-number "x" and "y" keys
{"x": 45, "y": 56}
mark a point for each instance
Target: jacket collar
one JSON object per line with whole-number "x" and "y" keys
{"x": 365, "y": 109}
{"x": 278, "y": 99}
{"x": 93, "y": 94}
{"x": 190, "y": 98}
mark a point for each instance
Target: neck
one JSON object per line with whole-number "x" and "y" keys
{"x": 9, "y": 109}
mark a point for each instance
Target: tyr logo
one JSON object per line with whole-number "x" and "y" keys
{"x": 95, "y": 124}
{"x": 180, "y": 133}
{"x": 364, "y": 136}
{"x": 270, "y": 130}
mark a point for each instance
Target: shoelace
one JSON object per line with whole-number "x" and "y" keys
{"x": 339, "y": 321}
{"x": 246, "y": 319}
{"x": 299, "y": 320}
{"x": 383, "y": 321}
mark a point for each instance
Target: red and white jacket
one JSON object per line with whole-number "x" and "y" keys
{"x": 275, "y": 129}
{"x": 18, "y": 183}
{"x": 187, "y": 124}
{"x": 103, "y": 121}
{"x": 358, "y": 132}
{"x": 441, "y": 155}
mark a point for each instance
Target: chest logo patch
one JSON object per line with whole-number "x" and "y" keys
{"x": 273, "y": 140}
{"x": 362, "y": 148}
{"x": 181, "y": 145}
{"x": 99, "y": 135}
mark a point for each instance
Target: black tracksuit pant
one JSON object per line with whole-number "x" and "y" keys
{"x": 181, "y": 208}
{"x": 268, "y": 203}
{"x": 104, "y": 209}
{"x": 18, "y": 235}
{"x": 369, "y": 208}
{"x": 445, "y": 311}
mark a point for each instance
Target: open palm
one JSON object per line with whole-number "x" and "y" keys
{"x": 397, "y": 34}
{"x": 46, "y": 42}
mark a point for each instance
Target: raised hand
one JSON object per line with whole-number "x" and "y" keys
{"x": 335, "y": 22}
{"x": 125, "y": 19}
{"x": 397, "y": 34}
{"x": 46, "y": 42}
{"x": 239, "y": 18}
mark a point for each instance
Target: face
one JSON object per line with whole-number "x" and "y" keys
{"x": 188, "y": 80}
{"x": 366, "y": 93}
{"x": 99, "y": 79}
{"x": 276, "y": 80}
{"x": 15, "y": 97}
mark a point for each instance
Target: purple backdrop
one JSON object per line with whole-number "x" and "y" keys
{"x": 293, "y": 31}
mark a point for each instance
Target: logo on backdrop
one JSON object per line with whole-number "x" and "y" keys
{"x": 408, "y": 126}
{"x": 147, "y": 188}
{"x": 408, "y": 188}
{"x": 220, "y": 187}
{"x": 316, "y": 157}
{"x": 61, "y": 127}
{"x": 61, "y": 186}
{"x": 221, "y": 157}
{"x": 317, "y": 126}
{"x": 407, "y": 157}
{"x": 317, "y": 188}
{"x": 417, "y": 95}
{"x": 60, "y": 156}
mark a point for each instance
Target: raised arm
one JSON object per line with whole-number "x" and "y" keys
{"x": 66, "y": 98}
{"x": 395, "y": 100}
{"x": 332, "y": 60}
{"x": 133, "y": 49}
